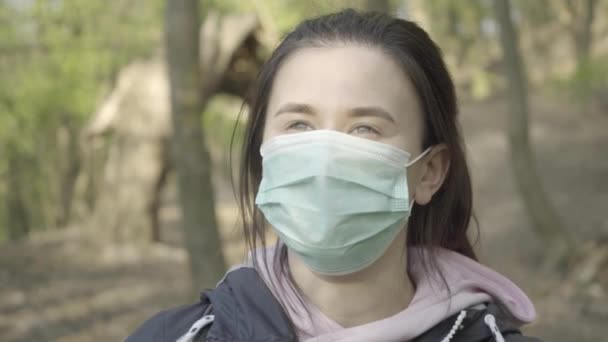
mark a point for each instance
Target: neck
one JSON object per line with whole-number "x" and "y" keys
{"x": 376, "y": 292}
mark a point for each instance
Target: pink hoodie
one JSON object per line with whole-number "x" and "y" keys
{"x": 471, "y": 284}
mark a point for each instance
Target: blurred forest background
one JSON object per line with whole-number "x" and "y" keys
{"x": 116, "y": 122}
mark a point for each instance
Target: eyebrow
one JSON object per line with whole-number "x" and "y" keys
{"x": 303, "y": 108}
{"x": 371, "y": 111}
{"x": 295, "y": 108}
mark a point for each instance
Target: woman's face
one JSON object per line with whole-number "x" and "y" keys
{"x": 352, "y": 89}
{"x": 356, "y": 90}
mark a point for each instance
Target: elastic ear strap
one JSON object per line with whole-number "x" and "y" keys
{"x": 420, "y": 156}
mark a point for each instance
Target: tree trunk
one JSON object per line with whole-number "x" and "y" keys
{"x": 17, "y": 212}
{"x": 582, "y": 43}
{"x": 156, "y": 202}
{"x": 136, "y": 116}
{"x": 544, "y": 218}
{"x": 584, "y": 39}
{"x": 136, "y": 158}
{"x": 69, "y": 171}
{"x": 189, "y": 153}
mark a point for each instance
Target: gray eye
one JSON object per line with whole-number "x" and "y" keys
{"x": 299, "y": 126}
{"x": 364, "y": 130}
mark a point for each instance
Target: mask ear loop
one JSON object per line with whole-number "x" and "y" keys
{"x": 420, "y": 156}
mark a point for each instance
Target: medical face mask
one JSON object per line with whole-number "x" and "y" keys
{"x": 336, "y": 200}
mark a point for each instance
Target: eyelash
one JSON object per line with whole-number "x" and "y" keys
{"x": 370, "y": 128}
{"x": 292, "y": 125}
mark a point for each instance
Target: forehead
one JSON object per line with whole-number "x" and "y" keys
{"x": 336, "y": 78}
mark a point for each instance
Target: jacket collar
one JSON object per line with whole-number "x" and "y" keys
{"x": 246, "y": 310}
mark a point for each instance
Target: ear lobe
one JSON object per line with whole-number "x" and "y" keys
{"x": 434, "y": 172}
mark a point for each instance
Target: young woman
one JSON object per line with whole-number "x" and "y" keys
{"x": 353, "y": 157}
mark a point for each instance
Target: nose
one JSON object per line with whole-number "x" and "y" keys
{"x": 331, "y": 121}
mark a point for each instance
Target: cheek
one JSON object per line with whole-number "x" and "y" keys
{"x": 404, "y": 141}
{"x": 410, "y": 144}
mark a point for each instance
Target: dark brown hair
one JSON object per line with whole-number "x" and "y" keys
{"x": 442, "y": 222}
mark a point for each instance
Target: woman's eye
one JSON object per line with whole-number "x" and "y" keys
{"x": 299, "y": 126}
{"x": 365, "y": 131}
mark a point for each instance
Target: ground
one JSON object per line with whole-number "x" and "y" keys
{"x": 66, "y": 286}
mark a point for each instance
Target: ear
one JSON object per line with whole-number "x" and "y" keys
{"x": 433, "y": 169}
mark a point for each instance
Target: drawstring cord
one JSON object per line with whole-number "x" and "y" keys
{"x": 490, "y": 321}
{"x": 195, "y": 328}
{"x": 455, "y": 327}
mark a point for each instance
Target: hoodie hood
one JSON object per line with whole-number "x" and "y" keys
{"x": 470, "y": 284}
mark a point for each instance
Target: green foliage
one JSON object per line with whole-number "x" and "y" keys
{"x": 538, "y": 12}
{"x": 585, "y": 82}
{"x": 57, "y": 58}
{"x": 458, "y": 28}
{"x": 219, "y": 124}
{"x": 589, "y": 77}
{"x": 453, "y": 18}
{"x": 283, "y": 14}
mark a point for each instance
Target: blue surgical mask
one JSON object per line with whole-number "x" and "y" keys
{"x": 336, "y": 200}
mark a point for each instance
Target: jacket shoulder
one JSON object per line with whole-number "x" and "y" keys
{"x": 169, "y": 325}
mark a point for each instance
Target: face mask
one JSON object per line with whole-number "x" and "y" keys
{"x": 335, "y": 200}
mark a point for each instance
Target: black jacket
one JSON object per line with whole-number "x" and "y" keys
{"x": 245, "y": 310}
